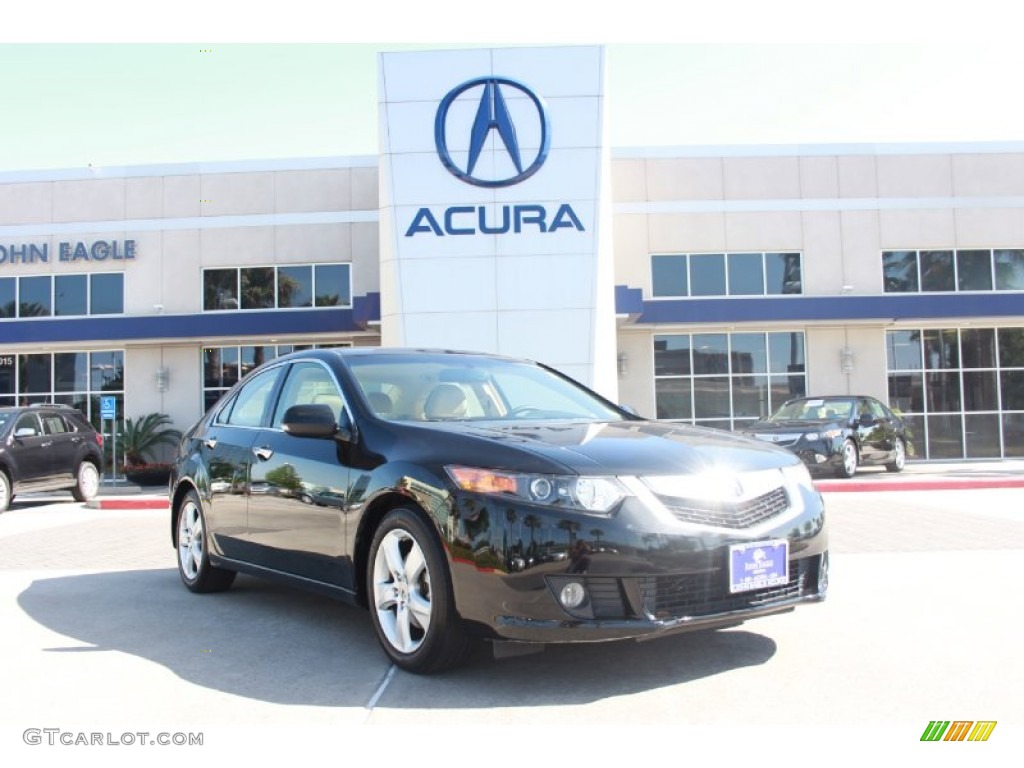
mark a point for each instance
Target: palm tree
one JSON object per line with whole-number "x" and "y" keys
{"x": 146, "y": 434}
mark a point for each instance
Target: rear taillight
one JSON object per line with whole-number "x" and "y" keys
{"x": 99, "y": 439}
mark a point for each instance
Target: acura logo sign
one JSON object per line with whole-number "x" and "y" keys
{"x": 492, "y": 96}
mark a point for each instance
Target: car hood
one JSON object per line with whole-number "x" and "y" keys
{"x": 629, "y": 447}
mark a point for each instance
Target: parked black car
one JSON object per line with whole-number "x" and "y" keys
{"x": 48, "y": 448}
{"x": 838, "y": 433}
{"x": 461, "y": 496}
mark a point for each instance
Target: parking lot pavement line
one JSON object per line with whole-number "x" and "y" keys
{"x": 380, "y": 691}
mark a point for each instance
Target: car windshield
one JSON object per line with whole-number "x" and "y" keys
{"x": 4, "y": 418}
{"x": 465, "y": 387}
{"x": 817, "y": 409}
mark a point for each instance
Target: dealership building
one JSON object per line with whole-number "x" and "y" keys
{"x": 700, "y": 284}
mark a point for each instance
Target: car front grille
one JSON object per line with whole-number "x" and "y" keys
{"x": 741, "y": 514}
{"x": 783, "y": 441}
{"x": 704, "y": 594}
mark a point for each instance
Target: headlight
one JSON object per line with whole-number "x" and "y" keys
{"x": 596, "y": 495}
{"x": 829, "y": 435}
{"x": 798, "y": 474}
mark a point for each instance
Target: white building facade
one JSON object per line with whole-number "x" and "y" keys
{"x": 704, "y": 285}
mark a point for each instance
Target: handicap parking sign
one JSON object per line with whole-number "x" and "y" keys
{"x": 108, "y": 407}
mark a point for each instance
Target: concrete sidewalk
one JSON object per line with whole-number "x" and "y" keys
{"x": 918, "y": 476}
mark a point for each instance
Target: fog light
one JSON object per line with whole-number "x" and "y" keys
{"x": 572, "y": 595}
{"x": 820, "y": 458}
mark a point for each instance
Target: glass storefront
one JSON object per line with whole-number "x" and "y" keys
{"x": 77, "y": 379}
{"x": 70, "y": 378}
{"x": 726, "y": 379}
{"x": 961, "y": 390}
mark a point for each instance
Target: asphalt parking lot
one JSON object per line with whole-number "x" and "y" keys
{"x": 100, "y": 637}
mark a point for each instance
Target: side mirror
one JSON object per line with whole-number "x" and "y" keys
{"x": 867, "y": 420}
{"x": 315, "y": 420}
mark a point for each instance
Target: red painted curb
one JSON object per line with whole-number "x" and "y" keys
{"x": 853, "y": 486}
{"x": 129, "y": 503}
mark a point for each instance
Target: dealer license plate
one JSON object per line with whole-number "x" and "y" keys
{"x": 758, "y": 565}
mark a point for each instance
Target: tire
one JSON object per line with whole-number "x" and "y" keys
{"x": 899, "y": 459}
{"x": 193, "y": 556}
{"x": 87, "y": 482}
{"x": 410, "y": 596}
{"x": 850, "y": 460}
{"x": 6, "y": 497}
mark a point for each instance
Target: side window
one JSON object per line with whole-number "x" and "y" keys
{"x": 54, "y": 424}
{"x": 307, "y": 384}
{"x": 253, "y": 399}
{"x": 864, "y": 409}
{"x": 28, "y": 421}
{"x": 878, "y": 410}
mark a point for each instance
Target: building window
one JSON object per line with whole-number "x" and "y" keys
{"x": 106, "y": 294}
{"x": 223, "y": 367}
{"x": 950, "y": 271}
{"x": 62, "y": 295}
{"x": 726, "y": 379}
{"x": 285, "y": 287}
{"x": 295, "y": 286}
{"x": 257, "y": 288}
{"x": 1009, "y": 270}
{"x": 961, "y": 390}
{"x": 682, "y": 275}
{"x": 70, "y": 295}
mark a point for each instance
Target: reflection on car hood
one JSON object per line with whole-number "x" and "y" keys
{"x": 630, "y": 447}
{"x": 803, "y": 425}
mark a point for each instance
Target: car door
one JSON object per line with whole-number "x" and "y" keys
{"x": 871, "y": 431}
{"x": 886, "y": 426}
{"x": 226, "y": 452}
{"x": 27, "y": 444}
{"x": 64, "y": 443}
{"x": 297, "y": 522}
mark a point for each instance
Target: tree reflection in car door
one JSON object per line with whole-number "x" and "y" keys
{"x": 297, "y": 523}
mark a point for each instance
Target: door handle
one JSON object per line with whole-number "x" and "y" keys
{"x": 263, "y": 453}
{"x": 210, "y": 442}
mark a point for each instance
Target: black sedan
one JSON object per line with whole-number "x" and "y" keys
{"x": 837, "y": 433}
{"x": 463, "y": 496}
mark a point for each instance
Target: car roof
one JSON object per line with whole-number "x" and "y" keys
{"x": 38, "y": 407}
{"x": 411, "y": 352}
{"x": 832, "y": 397}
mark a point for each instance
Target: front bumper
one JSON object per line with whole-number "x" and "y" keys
{"x": 642, "y": 575}
{"x": 820, "y": 455}
{"x": 653, "y": 608}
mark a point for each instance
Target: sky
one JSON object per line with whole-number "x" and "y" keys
{"x": 167, "y": 89}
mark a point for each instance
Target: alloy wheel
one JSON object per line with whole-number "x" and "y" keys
{"x": 401, "y": 591}
{"x": 190, "y": 540}
{"x": 88, "y": 479}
